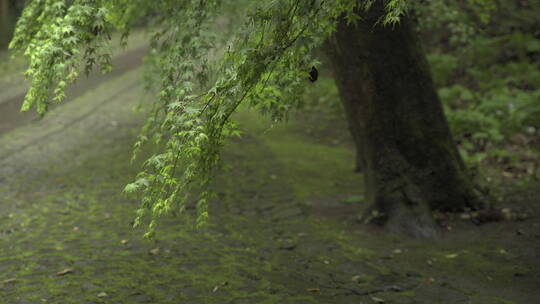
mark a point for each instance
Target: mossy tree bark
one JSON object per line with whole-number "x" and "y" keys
{"x": 410, "y": 161}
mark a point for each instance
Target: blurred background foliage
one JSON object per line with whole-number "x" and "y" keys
{"x": 484, "y": 56}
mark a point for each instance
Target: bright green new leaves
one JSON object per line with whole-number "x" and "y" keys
{"x": 59, "y": 37}
{"x": 265, "y": 65}
{"x": 201, "y": 79}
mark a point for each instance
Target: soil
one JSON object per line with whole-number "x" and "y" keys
{"x": 283, "y": 229}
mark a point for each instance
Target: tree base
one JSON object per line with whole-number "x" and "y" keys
{"x": 414, "y": 221}
{"x": 404, "y": 210}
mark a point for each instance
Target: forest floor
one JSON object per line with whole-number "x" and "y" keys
{"x": 284, "y": 228}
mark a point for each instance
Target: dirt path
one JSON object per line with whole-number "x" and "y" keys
{"x": 283, "y": 229}
{"x": 12, "y": 95}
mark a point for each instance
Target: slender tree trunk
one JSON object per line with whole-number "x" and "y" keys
{"x": 410, "y": 162}
{"x": 7, "y": 22}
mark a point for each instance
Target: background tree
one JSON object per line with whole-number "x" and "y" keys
{"x": 7, "y": 22}
{"x": 410, "y": 160}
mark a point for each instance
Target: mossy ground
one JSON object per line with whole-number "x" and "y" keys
{"x": 283, "y": 229}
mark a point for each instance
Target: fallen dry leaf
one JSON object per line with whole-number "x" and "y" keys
{"x": 154, "y": 251}
{"x": 65, "y": 271}
{"x": 217, "y": 287}
{"x": 289, "y": 246}
{"x": 377, "y": 300}
{"x": 507, "y": 174}
{"x": 102, "y": 294}
{"x": 11, "y": 280}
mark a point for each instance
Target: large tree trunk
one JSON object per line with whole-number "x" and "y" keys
{"x": 410, "y": 162}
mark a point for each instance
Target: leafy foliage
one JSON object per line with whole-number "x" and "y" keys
{"x": 52, "y": 35}
{"x": 202, "y": 80}
{"x": 484, "y": 58}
